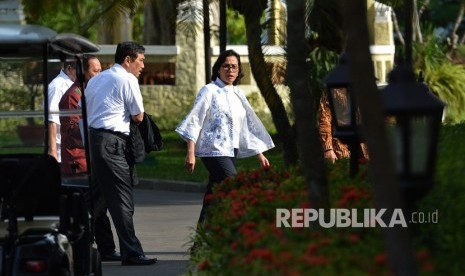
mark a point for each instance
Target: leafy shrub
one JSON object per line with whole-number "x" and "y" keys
{"x": 445, "y": 238}
{"x": 444, "y": 78}
{"x": 241, "y": 236}
{"x": 448, "y": 82}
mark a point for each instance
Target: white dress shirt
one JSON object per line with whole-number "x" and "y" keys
{"x": 210, "y": 124}
{"x": 112, "y": 97}
{"x": 56, "y": 89}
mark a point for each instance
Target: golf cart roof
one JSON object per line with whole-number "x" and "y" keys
{"x": 30, "y": 40}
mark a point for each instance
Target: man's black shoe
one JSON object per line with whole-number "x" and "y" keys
{"x": 140, "y": 260}
{"x": 115, "y": 256}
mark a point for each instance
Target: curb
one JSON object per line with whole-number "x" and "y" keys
{"x": 171, "y": 185}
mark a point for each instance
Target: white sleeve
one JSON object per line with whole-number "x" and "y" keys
{"x": 191, "y": 125}
{"x": 134, "y": 99}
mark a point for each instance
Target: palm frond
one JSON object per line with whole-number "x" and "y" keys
{"x": 189, "y": 12}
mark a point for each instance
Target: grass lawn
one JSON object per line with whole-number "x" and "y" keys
{"x": 169, "y": 162}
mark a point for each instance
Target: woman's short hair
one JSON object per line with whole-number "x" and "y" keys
{"x": 221, "y": 59}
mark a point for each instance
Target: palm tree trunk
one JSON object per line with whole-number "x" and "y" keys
{"x": 302, "y": 97}
{"x": 381, "y": 170}
{"x": 149, "y": 29}
{"x": 160, "y": 22}
{"x": 206, "y": 40}
{"x": 268, "y": 91}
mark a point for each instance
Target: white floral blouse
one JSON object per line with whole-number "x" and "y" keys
{"x": 210, "y": 125}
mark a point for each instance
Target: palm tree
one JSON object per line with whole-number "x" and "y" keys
{"x": 381, "y": 169}
{"x": 302, "y": 97}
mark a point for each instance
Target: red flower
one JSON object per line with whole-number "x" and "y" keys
{"x": 354, "y": 238}
{"x": 278, "y": 232}
{"x": 423, "y": 255}
{"x": 251, "y": 235}
{"x": 220, "y": 195}
{"x": 381, "y": 259}
{"x": 285, "y": 256}
{"x": 247, "y": 228}
{"x": 233, "y": 194}
{"x": 270, "y": 195}
{"x": 253, "y": 238}
{"x": 260, "y": 253}
{"x": 315, "y": 260}
{"x": 204, "y": 265}
{"x": 255, "y": 175}
{"x": 254, "y": 201}
{"x": 284, "y": 261}
{"x": 237, "y": 209}
{"x": 312, "y": 248}
{"x": 325, "y": 242}
{"x": 208, "y": 198}
{"x": 427, "y": 267}
{"x": 351, "y": 195}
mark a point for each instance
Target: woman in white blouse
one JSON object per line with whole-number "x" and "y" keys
{"x": 222, "y": 125}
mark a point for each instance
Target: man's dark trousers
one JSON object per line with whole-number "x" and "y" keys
{"x": 112, "y": 176}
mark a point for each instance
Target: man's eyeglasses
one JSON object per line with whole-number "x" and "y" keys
{"x": 230, "y": 67}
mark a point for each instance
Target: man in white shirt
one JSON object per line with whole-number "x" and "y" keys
{"x": 56, "y": 89}
{"x": 113, "y": 100}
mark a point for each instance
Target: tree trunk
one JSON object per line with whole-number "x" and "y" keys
{"x": 453, "y": 36}
{"x": 161, "y": 28}
{"x": 206, "y": 40}
{"x": 416, "y": 23}
{"x": 381, "y": 170}
{"x": 149, "y": 33}
{"x": 397, "y": 30}
{"x": 302, "y": 97}
{"x": 268, "y": 91}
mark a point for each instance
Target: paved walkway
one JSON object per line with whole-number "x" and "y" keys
{"x": 164, "y": 221}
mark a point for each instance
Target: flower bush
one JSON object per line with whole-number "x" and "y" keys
{"x": 241, "y": 236}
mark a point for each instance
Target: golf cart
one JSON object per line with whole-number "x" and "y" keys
{"x": 46, "y": 225}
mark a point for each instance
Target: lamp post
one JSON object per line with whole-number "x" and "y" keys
{"x": 344, "y": 111}
{"x": 414, "y": 117}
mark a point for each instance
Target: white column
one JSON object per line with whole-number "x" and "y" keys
{"x": 11, "y": 12}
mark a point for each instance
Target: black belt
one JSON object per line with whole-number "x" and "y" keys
{"x": 116, "y": 133}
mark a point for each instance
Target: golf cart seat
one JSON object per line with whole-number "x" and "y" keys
{"x": 30, "y": 185}
{"x": 33, "y": 197}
